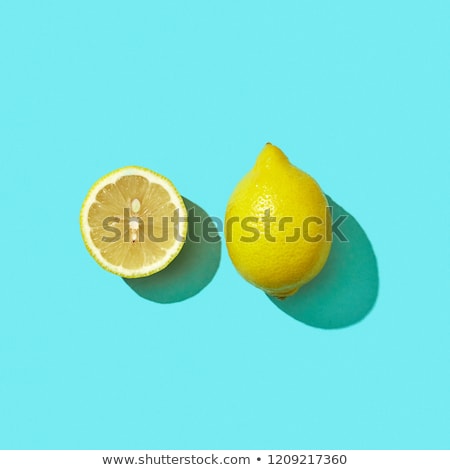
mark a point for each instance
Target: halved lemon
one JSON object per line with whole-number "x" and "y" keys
{"x": 133, "y": 222}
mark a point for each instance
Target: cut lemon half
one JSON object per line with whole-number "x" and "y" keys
{"x": 133, "y": 222}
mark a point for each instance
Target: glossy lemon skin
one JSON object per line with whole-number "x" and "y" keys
{"x": 278, "y": 225}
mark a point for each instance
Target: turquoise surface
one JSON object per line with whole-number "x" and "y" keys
{"x": 356, "y": 94}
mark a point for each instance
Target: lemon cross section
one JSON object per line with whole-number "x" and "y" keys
{"x": 133, "y": 222}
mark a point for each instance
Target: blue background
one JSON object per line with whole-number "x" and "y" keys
{"x": 356, "y": 93}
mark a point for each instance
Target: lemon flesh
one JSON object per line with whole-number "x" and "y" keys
{"x": 133, "y": 222}
{"x": 278, "y": 225}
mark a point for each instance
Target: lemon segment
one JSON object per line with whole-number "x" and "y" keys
{"x": 278, "y": 225}
{"x": 133, "y": 222}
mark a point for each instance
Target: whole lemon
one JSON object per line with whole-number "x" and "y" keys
{"x": 278, "y": 225}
